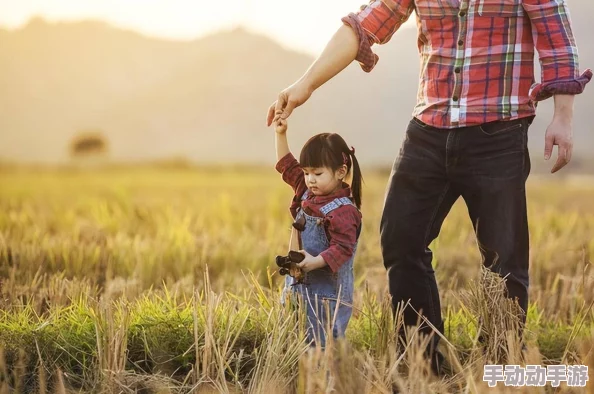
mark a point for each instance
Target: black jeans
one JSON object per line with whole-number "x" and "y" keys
{"x": 488, "y": 166}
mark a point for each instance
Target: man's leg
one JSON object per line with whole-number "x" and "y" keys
{"x": 418, "y": 198}
{"x": 494, "y": 167}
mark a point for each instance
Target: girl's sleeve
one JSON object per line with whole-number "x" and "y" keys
{"x": 343, "y": 224}
{"x": 292, "y": 174}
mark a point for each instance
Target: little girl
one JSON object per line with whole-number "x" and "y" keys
{"x": 326, "y": 212}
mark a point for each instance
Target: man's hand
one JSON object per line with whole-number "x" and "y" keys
{"x": 289, "y": 99}
{"x": 311, "y": 263}
{"x": 560, "y": 132}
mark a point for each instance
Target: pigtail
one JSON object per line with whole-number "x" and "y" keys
{"x": 357, "y": 179}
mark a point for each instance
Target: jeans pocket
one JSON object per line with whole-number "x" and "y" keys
{"x": 498, "y": 127}
{"x": 418, "y": 123}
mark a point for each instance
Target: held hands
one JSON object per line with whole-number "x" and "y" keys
{"x": 289, "y": 99}
{"x": 310, "y": 262}
{"x": 559, "y": 133}
{"x": 280, "y": 123}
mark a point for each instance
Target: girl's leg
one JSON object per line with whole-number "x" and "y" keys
{"x": 324, "y": 317}
{"x": 320, "y": 312}
{"x": 345, "y": 311}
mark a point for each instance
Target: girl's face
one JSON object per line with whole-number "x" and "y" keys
{"x": 322, "y": 180}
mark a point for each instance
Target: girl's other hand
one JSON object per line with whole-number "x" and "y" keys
{"x": 310, "y": 262}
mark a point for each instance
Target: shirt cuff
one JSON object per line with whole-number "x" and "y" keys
{"x": 543, "y": 91}
{"x": 365, "y": 56}
{"x": 331, "y": 259}
{"x": 285, "y": 163}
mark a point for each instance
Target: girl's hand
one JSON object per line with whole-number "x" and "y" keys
{"x": 281, "y": 124}
{"x": 311, "y": 263}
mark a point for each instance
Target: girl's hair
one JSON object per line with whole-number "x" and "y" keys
{"x": 330, "y": 150}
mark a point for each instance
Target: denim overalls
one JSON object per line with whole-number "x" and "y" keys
{"x": 322, "y": 284}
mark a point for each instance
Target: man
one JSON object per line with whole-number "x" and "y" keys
{"x": 468, "y": 134}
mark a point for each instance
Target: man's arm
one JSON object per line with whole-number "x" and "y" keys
{"x": 375, "y": 23}
{"x": 560, "y": 76}
{"x": 339, "y": 53}
{"x": 557, "y": 50}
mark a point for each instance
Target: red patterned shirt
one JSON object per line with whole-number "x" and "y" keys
{"x": 341, "y": 224}
{"x": 477, "y": 56}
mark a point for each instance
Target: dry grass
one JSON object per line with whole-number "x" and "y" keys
{"x": 162, "y": 281}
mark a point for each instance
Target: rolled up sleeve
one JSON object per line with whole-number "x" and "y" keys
{"x": 557, "y": 50}
{"x": 375, "y": 23}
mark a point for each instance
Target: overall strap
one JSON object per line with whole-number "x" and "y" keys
{"x": 337, "y": 202}
{"x": 303, "y": 198}
{"x": 305, "y": 194}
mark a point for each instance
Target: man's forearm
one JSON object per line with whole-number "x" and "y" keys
{"x": 564, "y": 106}
{"x": 340, "y": 51}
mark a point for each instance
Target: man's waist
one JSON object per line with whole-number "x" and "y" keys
{"x": 438, "y": 118}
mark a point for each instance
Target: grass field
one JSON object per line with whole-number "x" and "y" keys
{"x": 163, "y": 280}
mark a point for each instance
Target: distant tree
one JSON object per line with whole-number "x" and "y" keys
{"x": 91, "y": 143}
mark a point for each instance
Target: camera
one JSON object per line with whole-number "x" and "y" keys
{"x": 288, "y": 265}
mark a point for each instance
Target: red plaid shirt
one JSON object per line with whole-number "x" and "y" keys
{"x": 341, "y": 224}
{"x": 477, "y": 56}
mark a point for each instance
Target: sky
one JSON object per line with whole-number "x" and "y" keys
{"x": 304, "y": 25}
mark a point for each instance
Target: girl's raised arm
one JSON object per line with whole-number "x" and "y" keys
{"x": 282, "y": 145}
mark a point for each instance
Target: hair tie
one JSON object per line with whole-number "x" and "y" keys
{"x": 352, "y": 151}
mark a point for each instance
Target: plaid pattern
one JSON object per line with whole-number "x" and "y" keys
{"x": 477, "y": 56}
{"x": 340, "y": 224}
